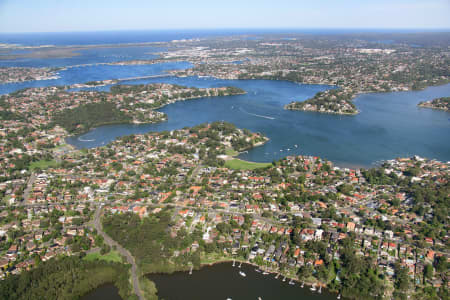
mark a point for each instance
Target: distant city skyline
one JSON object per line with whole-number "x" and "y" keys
{"x": 102, "y": 15}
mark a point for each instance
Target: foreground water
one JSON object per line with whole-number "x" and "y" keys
{"x": 220, "y": 281}
{"x": 103, "y": 292}
{"x": 223, "y": 281}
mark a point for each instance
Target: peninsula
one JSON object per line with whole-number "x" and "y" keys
{"x": 442, "y": 103}
{"x": 331, "y": 101}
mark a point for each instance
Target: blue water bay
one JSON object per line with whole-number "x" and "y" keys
{"x": 390, "y": 124}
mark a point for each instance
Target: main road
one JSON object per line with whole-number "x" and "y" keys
{"x": 108, "y": 240}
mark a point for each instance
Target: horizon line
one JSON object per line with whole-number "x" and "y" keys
{"x": 372, "y": 29}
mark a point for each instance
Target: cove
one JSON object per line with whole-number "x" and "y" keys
{"x": 390, "y": 124}
{"x": 222, "y": 281}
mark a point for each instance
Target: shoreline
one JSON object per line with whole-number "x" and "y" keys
{"x": 227, "y": 260}
{"x": 354, "y": 96}
{"x": 260, "y": 268}
{"x": 321, "y": 112}
{"x": 136, "y": 122}
{"x": 343, "y": 165}
{"x": 434, "y": 108}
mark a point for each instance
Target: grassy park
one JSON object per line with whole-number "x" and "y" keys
{"x": 42, "y": 164}
{"x": 238, "y": 164}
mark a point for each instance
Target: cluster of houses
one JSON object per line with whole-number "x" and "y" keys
{"x": 20, "y": 74}
{"x": 132, "y": 175}
{"x": 215, "y": 195}
{"x": 355, "y": 70}
{"x": 27, "y": 237}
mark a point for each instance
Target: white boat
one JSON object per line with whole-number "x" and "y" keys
{"x": 284, "y": 279}
{"x": 320, "y": 290}
{"x": 258, "y": 270}
{"x": 303, "y": 284}
{"x": 291, "y": 282}
{"x": 339, "y": 296}
{"x": 242, "y": 274}
{"x": 313, "y": 288}
{"x": 265, "y": 273}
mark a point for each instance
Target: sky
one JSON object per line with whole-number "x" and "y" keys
{"x": 99, "y": 15}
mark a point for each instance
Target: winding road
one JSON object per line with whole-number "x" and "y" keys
{"x": 108, "y": 240}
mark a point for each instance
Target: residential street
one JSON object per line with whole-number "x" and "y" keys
{"x": 108, "y": 240}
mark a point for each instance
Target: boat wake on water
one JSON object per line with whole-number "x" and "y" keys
{"x": 255, "y": 115}
{"x": 85, "y": 140}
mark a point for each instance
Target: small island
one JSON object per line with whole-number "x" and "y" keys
{"x": 442, "y": 103}
{"x": 331, "y": 101}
